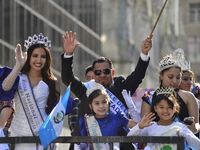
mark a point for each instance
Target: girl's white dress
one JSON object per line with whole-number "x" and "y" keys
{"x": 20, "y": 125}
{"x": 170, "y": 130}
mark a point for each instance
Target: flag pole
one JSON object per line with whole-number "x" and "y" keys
{"x": 158, "y": 18}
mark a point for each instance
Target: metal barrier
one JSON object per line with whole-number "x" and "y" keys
{"x": 99, "y": 139}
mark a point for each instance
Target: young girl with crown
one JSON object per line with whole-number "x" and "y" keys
{"x": 165, "y": 107}
{"x": 99, "y": 121}
{"x": 37, "y": 91}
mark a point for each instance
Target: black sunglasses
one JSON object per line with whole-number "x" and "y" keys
{"x": 106, "y": 71}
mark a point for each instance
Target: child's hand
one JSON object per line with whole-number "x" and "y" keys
{"x": 147, "y": 118}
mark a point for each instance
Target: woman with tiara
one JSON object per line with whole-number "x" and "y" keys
{"x": 38, "y": 90}
{"x": 170, "y": 74}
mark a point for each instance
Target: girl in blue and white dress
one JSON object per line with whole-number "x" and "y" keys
{"x": 98, "y": 118}
{"x": 165, "y": 107}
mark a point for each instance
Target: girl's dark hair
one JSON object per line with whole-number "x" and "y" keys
{"x": 47, "y": 75}
{"x": 93, "y": 95}
{"x": 171, "y": 100}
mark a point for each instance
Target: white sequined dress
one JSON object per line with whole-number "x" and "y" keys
{"x": 20, "y": 125}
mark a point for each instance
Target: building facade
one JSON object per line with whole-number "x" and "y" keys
{"x": 191, "y": 18}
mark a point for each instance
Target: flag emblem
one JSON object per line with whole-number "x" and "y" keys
{"x": 59, "y": 117}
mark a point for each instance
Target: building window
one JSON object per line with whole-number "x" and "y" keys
{"x": 195, "y": 13}
{"x": 193, "y": 49}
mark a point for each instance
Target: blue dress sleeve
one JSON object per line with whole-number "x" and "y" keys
{"x": 7, "y": 95}
{"x": 122, "y": 121}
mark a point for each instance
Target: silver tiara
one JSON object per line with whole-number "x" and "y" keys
{"x": 94, "y": 86}
{"x": 40, "y": 39}
{"x": 168, "y": 62}
{"x": 178, "y": 54}
{"x": 166, "y": 90}
{"x": 176, "y": 59}
{"x": 186, "y": 66}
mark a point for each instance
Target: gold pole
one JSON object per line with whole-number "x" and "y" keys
{"x": 158, "y": 18}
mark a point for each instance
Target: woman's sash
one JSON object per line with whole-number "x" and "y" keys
{"x": 29, "y": 104}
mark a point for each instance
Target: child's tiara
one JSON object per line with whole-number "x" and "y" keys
{"x": 94, "y": 86}
{"x": 40, "y": 39}
{"x": 165, "y": 91}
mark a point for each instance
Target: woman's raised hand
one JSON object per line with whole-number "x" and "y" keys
{"x": 19, "y": 56}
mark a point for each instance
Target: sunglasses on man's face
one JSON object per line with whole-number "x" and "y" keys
{"x": 106, "y": 71}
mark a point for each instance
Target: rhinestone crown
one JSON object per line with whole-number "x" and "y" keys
{"x": 40, "y": 39}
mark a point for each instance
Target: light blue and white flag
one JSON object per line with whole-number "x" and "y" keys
{"x": 52, "y": 127}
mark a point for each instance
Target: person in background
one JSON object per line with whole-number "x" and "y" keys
{"x": 38, "y": 90}
{"x": 188, "y": 77}
{"x": 187, "y": 80}
{"x": 89, "y": 73}
{"x": 103, "y": 74}
{"x": 6, "y": 105}
{"x": 196, "y": 92}
{"x": 165, "y": 107}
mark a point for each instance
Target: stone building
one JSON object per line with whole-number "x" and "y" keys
{"x": 191, "y": 20}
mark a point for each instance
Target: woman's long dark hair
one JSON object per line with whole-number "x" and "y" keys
{"x": 47, "y": 76}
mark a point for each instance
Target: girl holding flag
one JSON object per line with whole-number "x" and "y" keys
{"x": 38, "y": 89}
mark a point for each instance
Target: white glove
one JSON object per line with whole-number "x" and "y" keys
{"x": 132, "y": 108}
{"x": 20, "y": 61}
